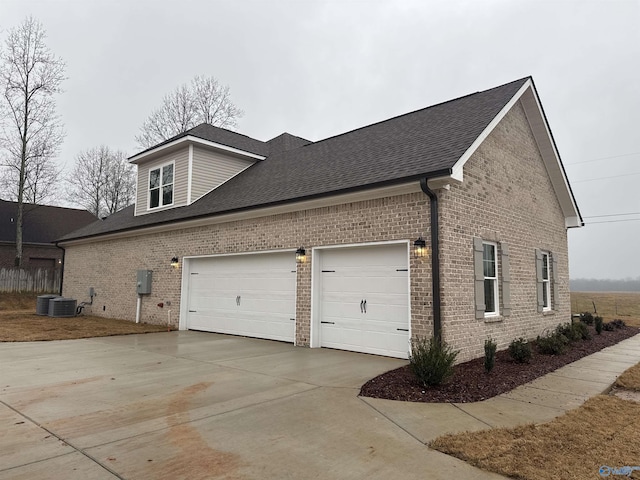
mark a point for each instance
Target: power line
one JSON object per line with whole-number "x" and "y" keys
{"x": 615, "y": 221}
{"x": 603, "y": 158}
{"x": 612, "y": 215}
{"x": 605, "y": 178}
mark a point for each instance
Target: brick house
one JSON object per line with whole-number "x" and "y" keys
{"x": 41, "y": 226}
{"x": 449, "y": 220}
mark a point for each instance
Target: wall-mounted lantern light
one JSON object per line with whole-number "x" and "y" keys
{"x": 175, "y": 263}
{"x": 420, "y": 247}
{"x": 301, "y": 255}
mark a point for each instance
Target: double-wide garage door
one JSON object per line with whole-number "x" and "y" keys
{"x": 364, "y": 299}
{"x": 249, "y": 295}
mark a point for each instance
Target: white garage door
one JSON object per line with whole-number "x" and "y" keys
{"x": 364, "y": 304}
{"x": 249, "y": 295}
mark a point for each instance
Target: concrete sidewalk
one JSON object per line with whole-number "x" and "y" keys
{"x": 199, "y": 406}
{"x": 536, "y": 402}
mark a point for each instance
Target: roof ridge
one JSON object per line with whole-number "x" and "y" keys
{"x": 422, "y": 109}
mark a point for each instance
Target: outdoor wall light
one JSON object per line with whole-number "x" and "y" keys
{"x": 420, "y": 247}
{"x": 301, "y": 255}
{"x": 175, "y": 263}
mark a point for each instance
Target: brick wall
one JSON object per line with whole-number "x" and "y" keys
{"x": 506, "y": 197}
{"x": 110, "y": 266}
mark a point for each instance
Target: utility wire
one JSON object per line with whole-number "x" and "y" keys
{"x": 614, "y": 221}
{"x": 611, "y": 215}
{"x": 605, "y": 178}
{"x": 603, "y": 158}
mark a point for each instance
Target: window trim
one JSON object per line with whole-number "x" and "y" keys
{"x": 495, "y": 279}
{"x": 173, "y": 185}
{"x": 546, "y": 282}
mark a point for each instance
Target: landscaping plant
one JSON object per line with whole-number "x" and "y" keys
{"x": 490, "y": 348}
{"x": 587, "y": 318}
{"x": 431, "y": 360}
{"x": 582, "y": 330}
{"x": 520, "y": 350}
{"x": 599, "y": 324}
{"x": 553, "y": 343}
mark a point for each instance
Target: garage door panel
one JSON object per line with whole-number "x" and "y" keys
{"x": 377, "y": 274}
{"x": 249, "y": 295}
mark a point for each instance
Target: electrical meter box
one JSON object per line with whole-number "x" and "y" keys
{"x": 143, "y": 284}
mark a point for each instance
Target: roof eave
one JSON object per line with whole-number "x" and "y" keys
{"x": 191, "y": 140}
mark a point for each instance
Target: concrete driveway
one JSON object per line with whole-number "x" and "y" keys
{"x": 199, "y": 406}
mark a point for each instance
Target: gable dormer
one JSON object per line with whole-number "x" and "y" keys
{"x": 186, "y": 167}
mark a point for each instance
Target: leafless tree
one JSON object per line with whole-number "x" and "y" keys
{"x": 103, "y": 181}
{"x": 203, "y": 101}
{"x": 31, "y": 132}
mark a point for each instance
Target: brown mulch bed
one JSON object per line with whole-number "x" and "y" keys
{"x": 470, "y": 382}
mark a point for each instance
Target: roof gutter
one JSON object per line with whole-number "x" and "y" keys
{"x": 435, "y": 259}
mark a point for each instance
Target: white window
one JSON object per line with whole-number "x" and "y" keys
{"x": 490, "y": 269}
{"x": 161, "y": 186}
{"x": 546, "y": 282}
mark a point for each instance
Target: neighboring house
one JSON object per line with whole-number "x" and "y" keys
{"x": 41, "y": 226}
{"x": 451, "y": 219}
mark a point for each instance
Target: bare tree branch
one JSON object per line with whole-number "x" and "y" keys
{"x": 30, "y": 130}
{"x": 203, "y": 101}
{"x": 103, "y": 181}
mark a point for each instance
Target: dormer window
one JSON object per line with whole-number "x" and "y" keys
{"x": 161, "y": 186}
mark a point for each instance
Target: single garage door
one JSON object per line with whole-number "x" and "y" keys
{"x": 364, "y": 299}
{"x": 250, "y": 295}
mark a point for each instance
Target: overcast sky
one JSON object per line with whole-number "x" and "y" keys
{"x": 319, "y": 68}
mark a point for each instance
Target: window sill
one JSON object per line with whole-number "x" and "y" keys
{"x": 547, "y": 313}
{"x": 495, "y": 319}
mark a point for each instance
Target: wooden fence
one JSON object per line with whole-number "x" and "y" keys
{"x": 39, "y": 280}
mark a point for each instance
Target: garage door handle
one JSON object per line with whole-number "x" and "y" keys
{"x": 331, "y": 323}
{"x": 402, "y": 329}
{"x": 361, "y": 306}
{"x": 238, "y": 300}
{"x": 365, "y": 306}
{"x": 193, "y": 311}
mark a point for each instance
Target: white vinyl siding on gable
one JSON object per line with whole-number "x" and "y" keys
{"x": 180, "y": 161}
{"x": 211, "y": 169}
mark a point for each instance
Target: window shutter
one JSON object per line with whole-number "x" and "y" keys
{"x": 478, "y": 268}
{"x": 506, "y": 280}
{"x": 539, "y": 284}
{"x": 554, "y": 283}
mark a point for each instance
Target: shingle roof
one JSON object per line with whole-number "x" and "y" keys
{"x": 41, "y": 223}
{"x": 397, "y": 150}
{"x": 221, "y": 136}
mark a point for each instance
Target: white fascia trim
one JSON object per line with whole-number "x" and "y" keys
{"x": 546, "y": 146}
{"x": 141, "y": 156}
{"x": 406, "y": 188}
{"x": 189, "y": 174}
{"x": 458, "y": 167}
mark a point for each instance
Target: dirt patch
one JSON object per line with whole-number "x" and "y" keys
{"x": 602, "y": 433}
{"x": 26, "y": 326}
{"x": 470, "y": 382}
{"x": 195, "y": 459}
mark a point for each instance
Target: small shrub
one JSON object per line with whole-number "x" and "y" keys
{"x": 566, "y": 331}
{"x": 489, "y": 354}
{"x": 582, "y": 330}
{"x": 431, "y": 361}
{"x": 618, "y": 323}
{"x": 587, "y": 318}
{"x": 599, "y": 324}
{"x": 552, "y": 343}
{"x": 520, "y": 350}
{"x": 608, "y": 327}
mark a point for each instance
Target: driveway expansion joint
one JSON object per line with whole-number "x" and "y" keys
{"x": 66, "y": 442}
